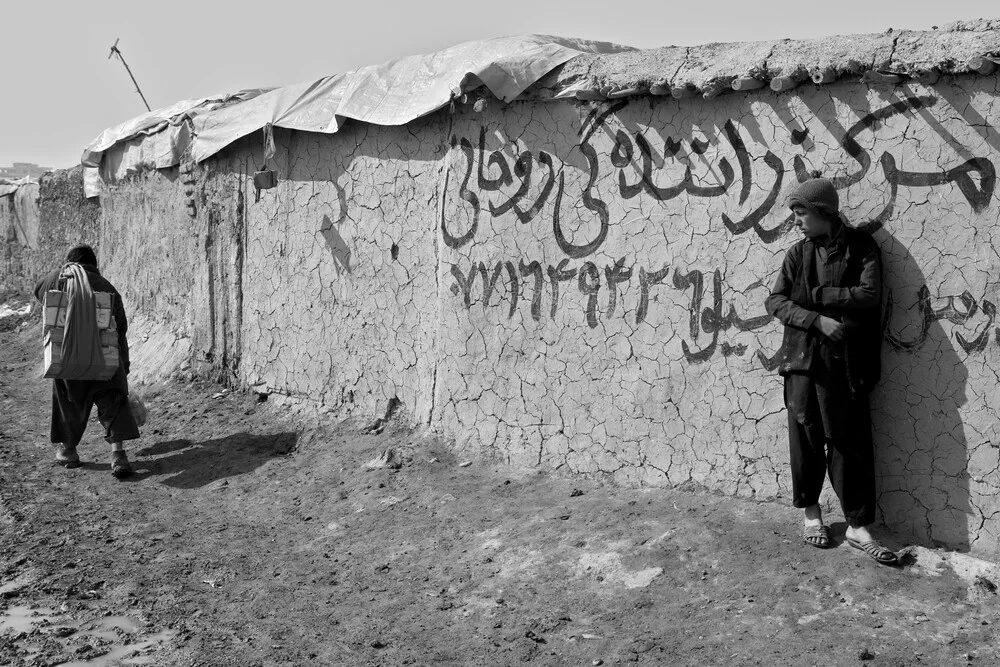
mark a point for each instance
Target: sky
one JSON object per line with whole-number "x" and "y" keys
{"x": 59, "y": 89}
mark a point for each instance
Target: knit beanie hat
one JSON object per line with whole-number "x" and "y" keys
{"x": 817, "y": 195}
{"x": 82, "y": 254}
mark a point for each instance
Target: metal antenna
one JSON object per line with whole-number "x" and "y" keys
{"x": 115, "y": 51}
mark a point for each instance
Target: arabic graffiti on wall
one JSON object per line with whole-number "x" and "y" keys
{"x": 603, "y": 268}
{"x": 631, "y": 153}
{"x": 623, "y": 167}
{"x": 595, "y": 298}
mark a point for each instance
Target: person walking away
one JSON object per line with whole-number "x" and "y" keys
{"x": 828, "y": 296}
{"x": 73, "y": 400}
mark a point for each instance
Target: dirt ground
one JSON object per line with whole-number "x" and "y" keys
{"x": 252, "y": 536}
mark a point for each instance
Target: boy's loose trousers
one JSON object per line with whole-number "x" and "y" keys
{"x": 829, "y": 432}
{"x": 73, "y": 401}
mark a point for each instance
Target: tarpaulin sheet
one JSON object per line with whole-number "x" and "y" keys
{"x": 393, "y": 93}
{"x": 92, "y": 182}
{"x": 399, "y": 91}
{"x": 309, "y": 106}
{"x": 24, "y": 198}
{"x": 9, "y": 186}
{"x": 160, "y": 149}
{"x": 26, "y": 213}
{"x": 155, "y": 138}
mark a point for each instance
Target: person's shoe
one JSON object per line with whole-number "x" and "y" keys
{"x": 875, "y": 551}
{"x": 120, "y": 467}
{"x": 816, "y": 535}
{"x": 67, "y": 457}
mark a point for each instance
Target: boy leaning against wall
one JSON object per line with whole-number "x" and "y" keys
{"x": 829, "y": 297}
{"x": 73, "y": 399}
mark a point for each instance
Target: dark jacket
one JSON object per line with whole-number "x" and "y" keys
{"x": 852, "y": 297}
{"x": 99, "y": 284}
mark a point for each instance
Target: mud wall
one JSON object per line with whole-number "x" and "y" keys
{"x": 64, "y": 217}
{"x": 635, "y": 341}
{"x": 10, "y": 261}
{"x": 581, "y": 285}
{"x": 338, "y": 290}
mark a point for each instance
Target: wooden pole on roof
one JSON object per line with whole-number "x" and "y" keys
{"x": 824, "y": 76}
{"x": 748, "y": 83}
{"x": 884, "y": 78}
{"x": 927, "y": 77}
{"x": 115, "y": 51}
{"x": 983, "y": 65}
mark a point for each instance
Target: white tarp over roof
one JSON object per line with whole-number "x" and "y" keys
{"x": 153, "y": 122}
{"x": 396, "y": 92}
{"x": 393, "y": 93}
{"x": 310, "y": 106}
{"x": 155, "y": 138}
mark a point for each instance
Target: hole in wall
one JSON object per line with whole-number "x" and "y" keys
{"x": 394, "y": 251}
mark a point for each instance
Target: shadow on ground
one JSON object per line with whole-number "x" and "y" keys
{"x": 185, "y": 464}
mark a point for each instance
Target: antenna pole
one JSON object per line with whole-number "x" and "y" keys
{"x": 115, "y": 51}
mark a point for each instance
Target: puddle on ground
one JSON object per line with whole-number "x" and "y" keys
{"x": 106, "y": 623}
{"x": 117, "y": 655}
{"x": 24, "y": 619}
{"x": 106, "y": 632}
{"x": 15, "y": 584}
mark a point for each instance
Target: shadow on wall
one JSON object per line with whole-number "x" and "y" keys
{"x": 921, "y": 448}
{"x": 337, "y": 155}
{"x": 191, "y": 465}
{"x": 339, "y": 250}
{"x": 336, "y": 162}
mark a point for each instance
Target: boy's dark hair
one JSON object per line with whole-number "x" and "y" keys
{"x": 82, "y": 254}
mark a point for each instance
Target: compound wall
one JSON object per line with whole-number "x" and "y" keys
{"x": 39, "y": 223}
{"x": 580, "y": 285}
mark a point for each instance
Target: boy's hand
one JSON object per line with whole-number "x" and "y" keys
{"x": 830, "y": 328}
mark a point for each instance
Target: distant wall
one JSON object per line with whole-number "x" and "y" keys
{"x": 64, "y": 218}
{"x": 580, "y": 285}
{"x": 10, "y": 261}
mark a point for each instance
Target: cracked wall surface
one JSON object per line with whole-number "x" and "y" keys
{"x": 581, "y": 285}
{"x": 604, "y": 269}
{"x": 339, "y": 288}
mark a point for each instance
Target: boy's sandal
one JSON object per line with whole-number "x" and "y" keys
{"x": 816, "y": 536}
{"x": 120, "y": 467}
{"x": 67, "y": 457}
{"x": 875, "y": 551}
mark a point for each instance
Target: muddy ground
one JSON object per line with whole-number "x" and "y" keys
{"x": 252, "y": 536}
